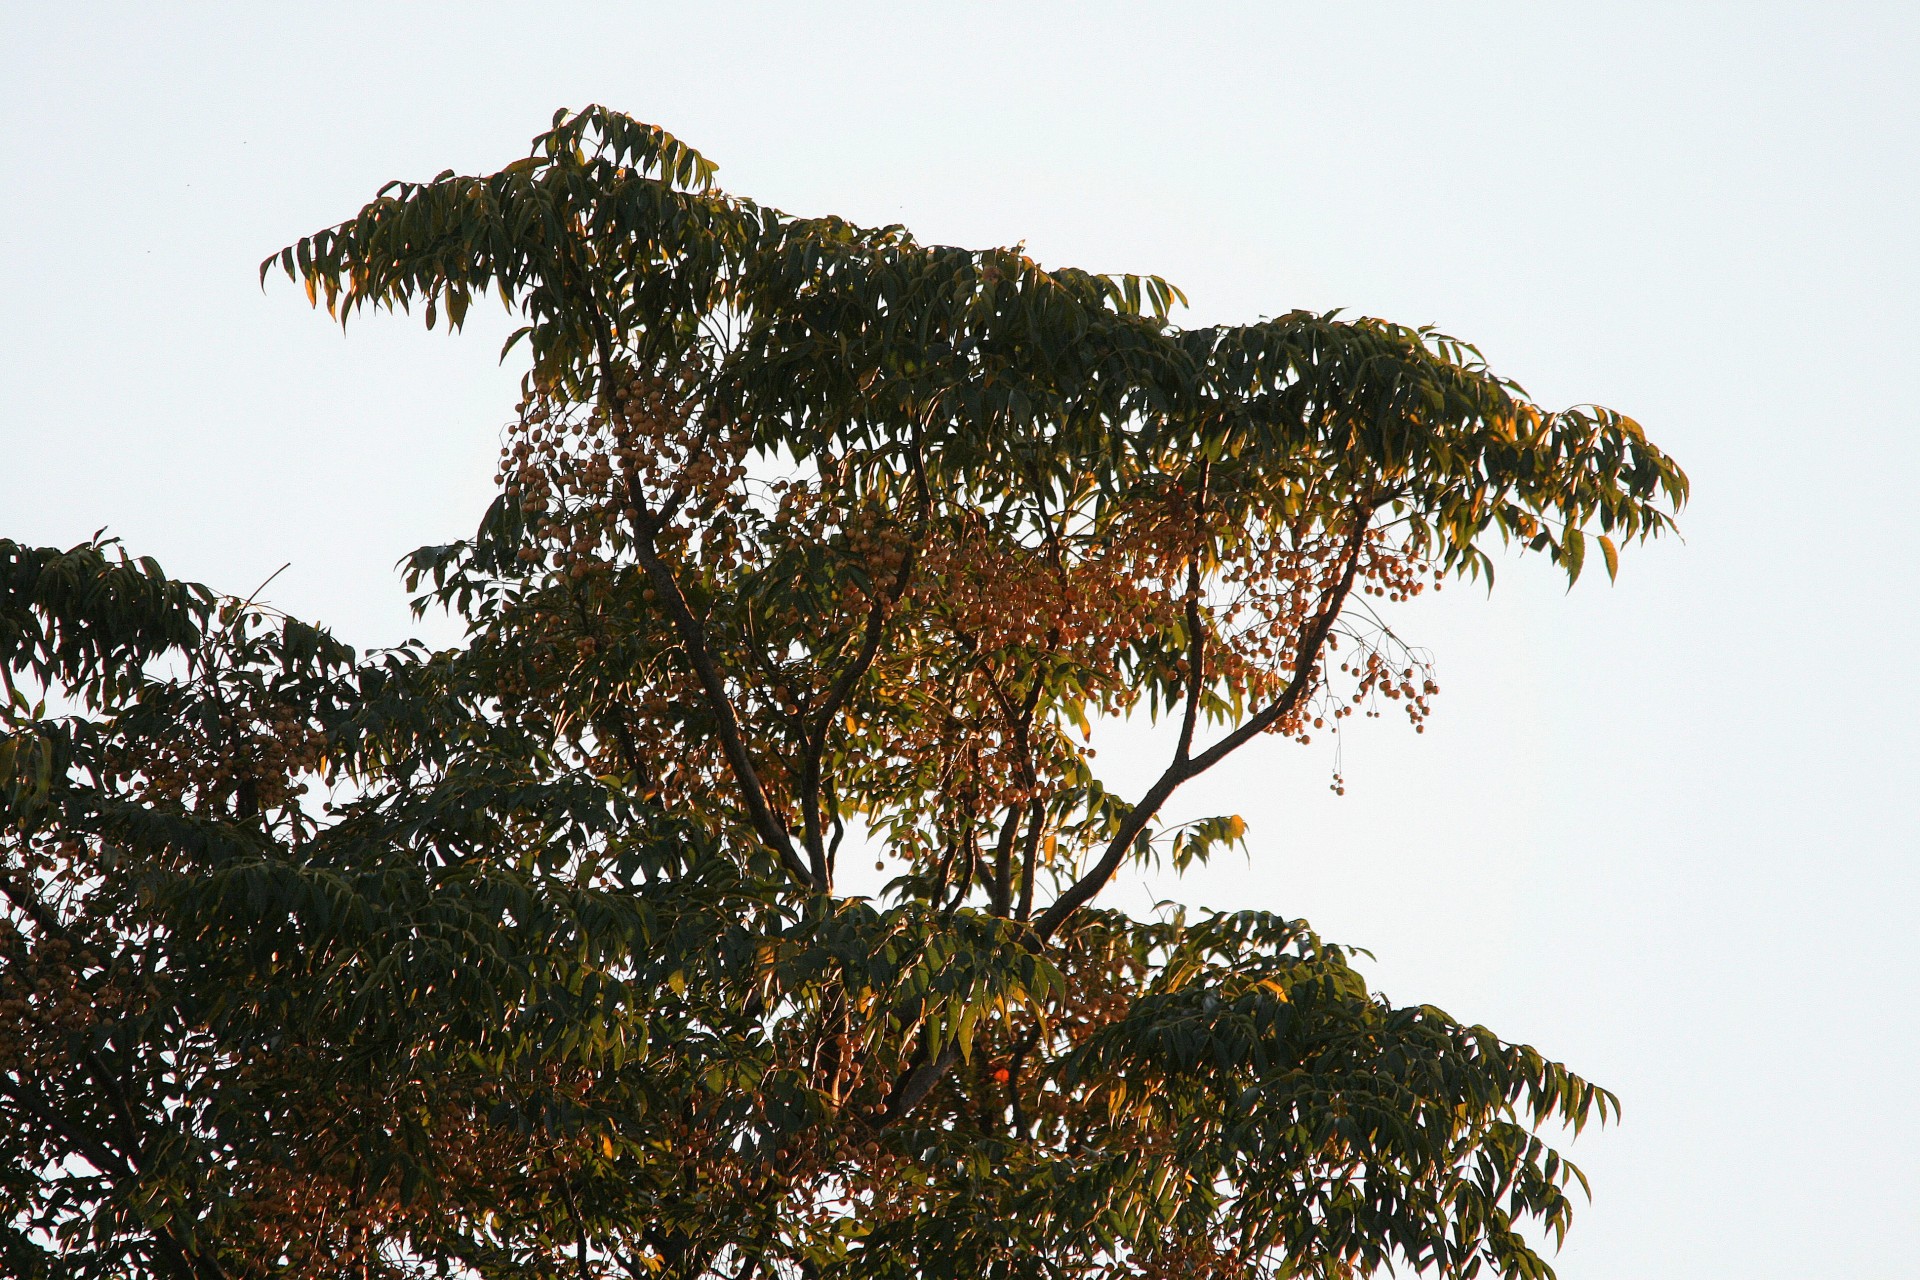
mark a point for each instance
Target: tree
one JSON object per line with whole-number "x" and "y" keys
{"x": 530, "y": 958}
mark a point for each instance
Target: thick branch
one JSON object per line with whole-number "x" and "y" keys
{"x": 1196, "y": 633}
{"x": 816, "y": 739}
{"x": 1029, "y": 852}
{"x": 122, "y": 1105}
{"x": 1019, "y": 722}
{"x": 913, "y": 1086}
{"x": 178, "y": 1260}
{"x": 1003, "y": 862}
{"x": 28, "y": 904}
{"x": 1014, "y": 1066}
{"x": 766, "y": 824}
{"x": 98, "y": 1151}
{"x": 646, "y": 526}
{"x": 1183, "y": 768}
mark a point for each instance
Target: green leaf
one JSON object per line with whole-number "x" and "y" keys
{"x": 1573, "y": 552}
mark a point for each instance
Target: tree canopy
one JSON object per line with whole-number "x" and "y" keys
{"x": 531, "y": 957}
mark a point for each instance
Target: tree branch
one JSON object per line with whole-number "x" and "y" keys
{"x": 1015, "y": 1065}
{"x": 815, "y": 741}
{"x": 1306, "y": 657}
{"x": 1029, "y": 851}
{"x": 914, "y": 1085}
{"x": 1003, "y": 862}
{"x": 28, "y": 904}
{"x": 98, "y": 1151}
{"x": 1020, "y": 722}
{"x": 766, "y": 824}
{"x": 646, "y": 526}
{"x": 1196, "y": 634}
{"x": 816, "y": 737}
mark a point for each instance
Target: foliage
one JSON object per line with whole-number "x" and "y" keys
{"x": 528, "y": 958}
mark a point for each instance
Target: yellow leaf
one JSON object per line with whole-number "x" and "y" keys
{"x": 1612, "y": 554}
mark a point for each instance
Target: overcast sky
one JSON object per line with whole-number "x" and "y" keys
{"x": 1665, "y": 830}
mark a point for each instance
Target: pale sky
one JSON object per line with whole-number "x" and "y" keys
{"x": 1658, "y": 829}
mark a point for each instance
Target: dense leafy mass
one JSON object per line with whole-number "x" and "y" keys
{"x": 529, "y": 958}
